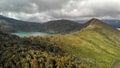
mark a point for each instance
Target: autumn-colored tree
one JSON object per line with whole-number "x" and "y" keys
{"x": 34, "y": 63}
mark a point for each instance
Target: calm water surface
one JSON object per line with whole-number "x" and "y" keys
{"x": 28, "y": 34}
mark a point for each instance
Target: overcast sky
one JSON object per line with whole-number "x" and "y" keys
{"x": 44, "y": 10}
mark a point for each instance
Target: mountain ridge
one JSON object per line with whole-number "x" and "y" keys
{"x": 98, "y": 41}
{"x": 60, "y": 26}
{"x": 97, "y": 45}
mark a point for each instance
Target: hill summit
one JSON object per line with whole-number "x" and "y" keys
{"x": 96, "y": 45}
{"x": 57, "y": 26}
{"x": 62, "y": 26}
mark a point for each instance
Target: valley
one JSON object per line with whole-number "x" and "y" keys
{"x": 95, "y": 45}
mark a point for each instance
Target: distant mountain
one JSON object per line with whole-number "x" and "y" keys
{"x": 59, "y": 26}
{"x": 55, "y": 26}
{"x": 6, "y": 38}
{"x": 62, "y": 26}
{"x": 13, "y": 25}
{"x": 11, "y": 20}
{"x": 115, "y": 23}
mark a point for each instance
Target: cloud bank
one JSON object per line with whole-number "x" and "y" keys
{"x": 44, "y": 10}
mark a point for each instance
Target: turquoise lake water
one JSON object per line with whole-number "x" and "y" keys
{"x": 28, "y": 34}
{"x": 118, "y": 28}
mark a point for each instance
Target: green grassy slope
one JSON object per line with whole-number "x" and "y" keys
{"x": 98, "y": 43}
{"x": 100, "y": 40}
{"x": 95, "y": 46}
{"x": 18, "y": 52}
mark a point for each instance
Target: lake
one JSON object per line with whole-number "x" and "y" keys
{"x": 28, "y": 34}
{"x": 118, "y": 28}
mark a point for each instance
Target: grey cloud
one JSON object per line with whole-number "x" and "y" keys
{"x": 47, "y": 5}
{"x": 89, "y": 8}
{"x": 43, "y": 10}
{"x": 15, "y": 6}
{"x": 30, "y": 6}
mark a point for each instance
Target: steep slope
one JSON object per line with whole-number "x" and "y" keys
{"x": 59, "y": 26}
{"x": 18, "y": 52}
{"x": 62, "y": 26}
{"x": 11, "y": 20}
{"x": 96, "y": 44}
{"x": 101, "y": 37}
{"x": 5, "y": 38}
{"x": 13, "y": 25}
{"x": 101, "y": 41}
{"x": 113, "y": 22}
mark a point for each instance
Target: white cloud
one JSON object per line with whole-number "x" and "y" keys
{"x": 44, "y": 10}
{"x": 93, "y": 8}
{"x": 33, "y": 17}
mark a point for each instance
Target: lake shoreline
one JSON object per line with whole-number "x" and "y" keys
{"x": 28, "y": 34}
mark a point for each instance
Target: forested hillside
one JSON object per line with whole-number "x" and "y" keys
{"x": 97, "y": 45}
